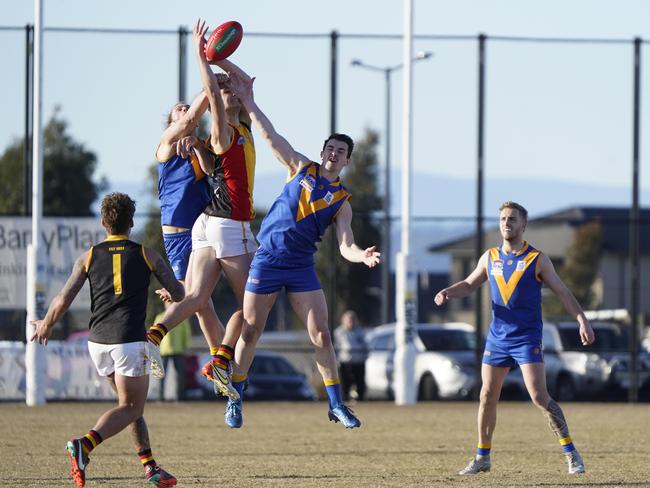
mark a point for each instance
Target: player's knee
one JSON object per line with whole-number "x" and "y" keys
{"x": 488, "y": 396}
{"x": 249, "y": 333}
{"x": 199, "y": 301}
{"x": 540, "y": 399}
{"x": 238, "y": 315}
{"x": 133, "y": 409}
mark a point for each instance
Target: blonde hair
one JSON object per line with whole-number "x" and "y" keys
{"x": 520, "y": 208}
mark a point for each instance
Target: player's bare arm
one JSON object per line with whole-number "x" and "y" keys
{"x": 230, "y": 67}
{"x": 182, "y": 127}
{"x": 205, "y": 158}
{"x": 220, "y": 131}
{"x": 242, "y": 86}
{"x": 62, "y": 301}
{"x": 467, "y": 286}
{"x": 165, "y": 275}
{"x": 348, "y": 249}
{"x": 552, "y": 280}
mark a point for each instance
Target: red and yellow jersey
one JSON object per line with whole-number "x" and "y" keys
{"x": 232, "y": 180}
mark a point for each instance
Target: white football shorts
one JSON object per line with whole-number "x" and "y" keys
{"x": 227, "y": 237}
{"x": 129, "y": 359}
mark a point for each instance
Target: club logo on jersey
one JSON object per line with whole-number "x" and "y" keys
{"x": 509, "y": 262}
{"x": 497, "y": 268}
{"x": 328, "y": 198}
{"x": 241, "y": 141}
{"x": 521, "y": 265}
{"x": 308, "y": 183}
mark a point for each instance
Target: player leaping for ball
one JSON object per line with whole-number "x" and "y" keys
{"x": 312, "y": 199}
{"x": 222, "y": 240}
{"x": 516, "y": 272}
{"x": 118, "y": 270}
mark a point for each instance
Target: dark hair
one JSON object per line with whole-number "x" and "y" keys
{"x": 117, "y": 212}
{"x": 522, "y": 211}
{"x": 342, "y": 138}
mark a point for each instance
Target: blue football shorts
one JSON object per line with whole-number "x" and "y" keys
{"x": 265, "y": 277}
{"x": 178, "y": 248}
{"x": 507, "y": 354}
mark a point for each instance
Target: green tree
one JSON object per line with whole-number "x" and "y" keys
{"x": 68, "y": 170}
{"x": 354, "y": 287}
{"x": 580, "y": 269}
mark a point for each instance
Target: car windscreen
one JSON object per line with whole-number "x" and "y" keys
{"x": 447, "y": 340}
{"x": 607, "y": 340}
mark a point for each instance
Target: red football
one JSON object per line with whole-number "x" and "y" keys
{"x": 223, "y": 41}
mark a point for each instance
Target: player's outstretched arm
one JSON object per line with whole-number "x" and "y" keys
{"x": 230, "y": 67}
{"x": 183, "y": 127}
{"x": 348, "y": 249}
{"x": 220, "y": 131}
{"x": 463, "y": 288}
{"x": 62, "y": 301}
{"x": 548, "y": 275}
{"x": 242, "y": 86}
{"x": 165, "y": 275}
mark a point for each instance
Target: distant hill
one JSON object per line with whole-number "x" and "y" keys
{"x": 437, "y": 196}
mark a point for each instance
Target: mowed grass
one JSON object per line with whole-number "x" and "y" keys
{"x": 294, "y": 445}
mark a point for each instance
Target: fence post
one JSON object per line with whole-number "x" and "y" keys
{"x": 182, "y": 63}
{"x": 27, "y": 146}
{"x": 331, "y": 302}
{"x": 478, "y": 303}
{"x": 633, "y": 393}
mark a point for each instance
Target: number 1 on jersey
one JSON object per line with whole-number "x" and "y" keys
{"x": 117, "y": 273}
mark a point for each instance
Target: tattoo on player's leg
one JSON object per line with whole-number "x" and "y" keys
{"x": 140, "y": 434}
{"x": 555, "y": 418}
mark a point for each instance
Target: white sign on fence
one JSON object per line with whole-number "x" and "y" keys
{"x": 71, "y": 374}
{"x": 62, "y": 241}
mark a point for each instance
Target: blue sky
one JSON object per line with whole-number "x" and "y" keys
{"x": 554, "y": 111}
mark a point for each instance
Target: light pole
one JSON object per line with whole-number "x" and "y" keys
{"x": 386, "y": 248}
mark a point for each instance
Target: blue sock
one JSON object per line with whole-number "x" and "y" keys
{"x": 483, "y": 449}
{"x": 333, "y": 388}
{"x": 238, "y": 382}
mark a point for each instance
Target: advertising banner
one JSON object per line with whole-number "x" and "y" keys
{"x": 63, "y": 239}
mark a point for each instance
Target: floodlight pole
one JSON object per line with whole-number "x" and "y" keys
{"x": 386, "y": 255}
{"x": 34, "y": 352}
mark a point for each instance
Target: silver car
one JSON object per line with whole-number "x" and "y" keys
{"x": 444, "y": 365}
{"x": 571, "y": 370}
{"x": 611, "y": 348}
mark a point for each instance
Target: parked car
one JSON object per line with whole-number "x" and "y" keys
{"x": 271, "y": 377}
{"x": 612, "y": 347}
{"x": 572, "y": 371}
{"x": 444, "y": 365}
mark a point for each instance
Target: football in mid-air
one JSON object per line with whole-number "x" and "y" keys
{"x": 223, "y": 41}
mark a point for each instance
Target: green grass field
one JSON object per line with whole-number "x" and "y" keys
{"x": 294, "y": 445}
